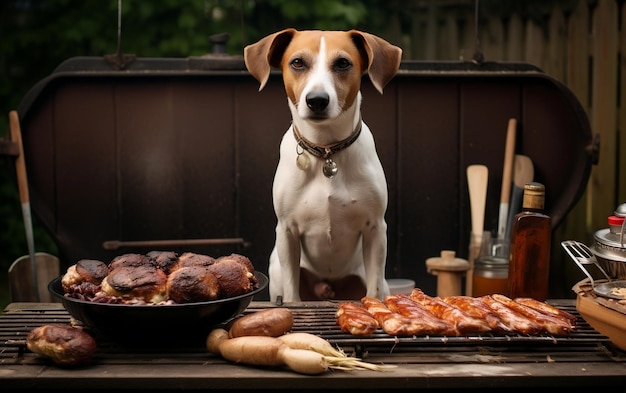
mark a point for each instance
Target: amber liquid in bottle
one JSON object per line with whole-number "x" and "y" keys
{"x": 490, "y": 278}
{"x": 529, "y": 264}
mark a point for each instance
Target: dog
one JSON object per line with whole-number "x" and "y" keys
{"x": 329, "y": 190}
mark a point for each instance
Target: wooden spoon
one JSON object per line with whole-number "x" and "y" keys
{"x": 477, "y": 180}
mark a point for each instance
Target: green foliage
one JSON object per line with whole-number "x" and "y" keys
{"x": 323, "y": 14}
{"x": 13, "y": 235}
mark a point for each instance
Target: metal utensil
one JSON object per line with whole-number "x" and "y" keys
{"x": 22, "y": 182}
{"x": 523, "y": 172}
{"x": 507, "y": 174}
{"x": 582, "y": 255}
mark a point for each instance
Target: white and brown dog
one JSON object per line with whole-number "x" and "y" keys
{"x": 329, "y": 190}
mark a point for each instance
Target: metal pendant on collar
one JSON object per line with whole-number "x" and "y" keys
{"x": 302, "y": 161}
{"x": 329, "y": 168}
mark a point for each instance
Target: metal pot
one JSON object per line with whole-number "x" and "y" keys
{"x": 610, "y": 244}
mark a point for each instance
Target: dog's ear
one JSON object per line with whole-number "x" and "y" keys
{"x": 266, "y": 53}
{"x": 382, "y": 58}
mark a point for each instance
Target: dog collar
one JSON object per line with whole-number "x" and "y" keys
{"x": 325, "y": 152}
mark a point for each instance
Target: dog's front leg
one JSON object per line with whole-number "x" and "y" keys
{"x": 288, "y": 252}
{"x": 375, "y": 259}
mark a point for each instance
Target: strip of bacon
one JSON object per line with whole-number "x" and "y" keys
{"x": 550, "y": 323}
{"x": 463, "y": 323}
{"x": 431, "y": 324}
{"x": 546, "y": 308}
{"x": 355, "y": 319}
{"x": 391, "y": 322}
{"x": 518, "y": 322}
{"x": 476, "y": 308}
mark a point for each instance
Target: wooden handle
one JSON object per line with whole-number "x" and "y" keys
{"x": 509, "y": 154}
{"x": 523, "y": 170}
{"x": 20, "y": 164}
{"x": 477, "y": 179}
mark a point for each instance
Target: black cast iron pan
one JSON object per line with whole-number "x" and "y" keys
{"x": 156, "y": 324}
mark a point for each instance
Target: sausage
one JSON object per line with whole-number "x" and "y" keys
{"x": 546, "y": 308}
{"x": 518, "y": 322}
{"x": 549, "y": 322}
{"x": 271, "y": 322}
{"x": 355, "y": 319}
{"x": 419, "y": 314}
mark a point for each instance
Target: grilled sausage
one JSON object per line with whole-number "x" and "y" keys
{"x": 271, "y": 322}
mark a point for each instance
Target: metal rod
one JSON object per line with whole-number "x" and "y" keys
{"x": 119, "y": 29}
{"x": 22, "y": 183}
{"x": 116, "y": 244}
{"x": 478, "y": 52}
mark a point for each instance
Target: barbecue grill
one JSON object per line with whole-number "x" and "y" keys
{"x": 179, "y": 154}
{"x": 320, "y": 320}
{"x": 584, "y": 359}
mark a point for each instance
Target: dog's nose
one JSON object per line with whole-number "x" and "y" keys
{"x": 317, "y": 101}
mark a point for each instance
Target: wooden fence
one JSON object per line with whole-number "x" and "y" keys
{"x": 582, "y": 43}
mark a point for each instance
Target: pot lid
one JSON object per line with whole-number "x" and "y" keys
{"x": 613, "y": 236}
{"x": 607, "y": 248}
{"x": 611, "y": 242}
{"x": 607, "y": 238}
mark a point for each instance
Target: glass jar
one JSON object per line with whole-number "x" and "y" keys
{"x": 490, "y": 276}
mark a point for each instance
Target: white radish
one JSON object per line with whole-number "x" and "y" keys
{"x": 301, "y": 340}
{"x": 336, "y": 357}
{"x": 304, "y": 361}
{"x": 303, "y": 357}
{"x": 264, "y": 351}
{"x": 259, "y": 351}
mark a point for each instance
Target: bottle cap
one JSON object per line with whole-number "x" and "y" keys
{"x": 534, "y": 194}
{"x": 534, "y": 188}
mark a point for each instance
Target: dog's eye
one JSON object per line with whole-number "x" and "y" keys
{"x": 297, "y": 64}
{"x": 342, "y": 64}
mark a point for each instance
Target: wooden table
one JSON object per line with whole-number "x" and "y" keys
{"x": 586, "y": 360}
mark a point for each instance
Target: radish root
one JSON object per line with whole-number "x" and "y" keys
{"x": 301, "y": 352}
{"x": 311, "y": 342}
{"x": 336, "y": 357}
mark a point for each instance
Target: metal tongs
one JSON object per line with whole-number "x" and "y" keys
{"x": 582, "y": 255}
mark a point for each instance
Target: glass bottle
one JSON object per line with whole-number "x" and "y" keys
{"x": 529, "y": 264}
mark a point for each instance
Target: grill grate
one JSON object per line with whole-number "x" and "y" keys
{"x": 584, "y": 343}
{"x": 321, "y": 321}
